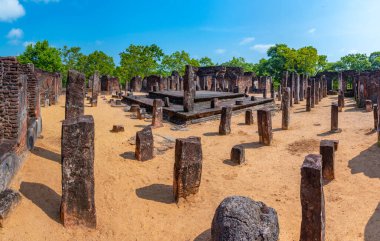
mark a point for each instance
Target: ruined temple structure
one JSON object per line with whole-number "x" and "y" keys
{"x": 50, "y": 86}
{"x": 109, "y": 84}
{"x": 20, "y": 123}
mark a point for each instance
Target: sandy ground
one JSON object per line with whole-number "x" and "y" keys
{"x": 134, "y": 199}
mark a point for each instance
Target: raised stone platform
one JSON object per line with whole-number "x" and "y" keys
{"x": 202, "y": 107}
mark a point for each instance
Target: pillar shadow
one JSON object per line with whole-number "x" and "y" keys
{"x": 205, "y": 236}
{"x": 156, "y": 192}
{"x": 329, "y": 133}
{"x": 44, "y": 197}
{"x": 355, "y": 110}
{"x": 230, "y": 163}
{"x": 211, "y": 134}
{"x": 252, "y": 145}
{"x": 128, "y": 155}
{"x": 46, "y": 154}
{"x": 277, "y": 129}
{"x": 372, "y": 229}
{"x": 367, "y": 162}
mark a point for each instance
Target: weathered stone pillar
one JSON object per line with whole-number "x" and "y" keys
{"x": 291, "y": 85}
{"x": 279, "y": 93}
{"x": 378, "y": 115}
{"x": 214, "y": 103}
{"x": 157, "y": 114}
{"x": 225, "y": 121}
{"x": 75, "y": 89}
{"x": 312, "y": 200}
{"x": 189, "y": 89}
{"x": 302, "y": 87}
{"x": 375, "y": 116}
{"x": 144, "y": 144}
{"x": 297, "y": 89}
{"x": 238, "y": 154}
{"x": 167, "y": 102}
{"x": 334, "y": 117}
{"x": 264, "y": 93}
{"x": 320, "y": 90}
{"x": 316, "y": 97}
{"x": 241, "y": 218}
{"x": 312, "y": 81}
{"x": 187, "y": 167}
{"x": 264, "y": 123}
{"x": 368, "y": 105}
{"x": 249, "y": 117}
{"x": 77, "y": 147}
{"x": 308, "y": 99}
{"x": 340, "y": 102}
{"x": 327, "y": 150}
{"x": 286, "y": 109}
{"x": 95, "y": 89}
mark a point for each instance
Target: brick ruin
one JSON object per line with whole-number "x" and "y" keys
{"x": 50, "y": 86}
{"x": 110, "y": 84}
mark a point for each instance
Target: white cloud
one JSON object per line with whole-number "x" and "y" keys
{"x": 220, "y": 51}
{"x": 261, "y": 48}
{"x": 14, "y": 36}
{"x": 27, "y": 43}
{"x": 247, "y": 40}
{"x": 10, "y": 10}
{"x": 42, "y": 1}
{"x": 312, "y": 30}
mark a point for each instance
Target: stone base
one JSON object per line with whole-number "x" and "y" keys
{"x": 9, "y": 199}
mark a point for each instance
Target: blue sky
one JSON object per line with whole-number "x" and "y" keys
{"x": 219, "y": 29}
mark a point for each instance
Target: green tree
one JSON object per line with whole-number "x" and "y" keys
{"x": 98, "y": 61}
{"x": 374, "y": 58}
{"x": 43, "y": 56}
{"x": 72, "y": 58}
{"x": 240, "y": 62}
{"x": 177, "y": 62}
{"x": 358, "y": 62}
{"x": 278, "y": 60}
{"x": 139, "y": 60}
{"x": 206, "y": 62}
{"x": 307, "y": 60}
{"x": 262, "y": 68}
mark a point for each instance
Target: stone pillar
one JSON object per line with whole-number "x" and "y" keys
{"x": 166, "y": 102}
{"x": 320, "y": 90}
{"x": 308, "y": 99}
{"x": 95, "y": 89}
{"x": 249, "y": 117}
{"x": 144, "y": 144}
{"x": 264, "y": 93}
{"x": 291, "y": 85}
{"x": 316, "y": 97}
{"x": 279, "y": 93}
{"x": 214, "y": 103}
{"x": 264, "y": 123}
{"x": 378, "y": 115}
{"x": 312, "y": 102}
{"x": 157, "y": 114}
{"x": 187, "y": 167}
{"x": 327, "y": 151}
{"x": 334, "y": 117}
{"x": 368, "y": 105}
{"x": 302, "y": 87}
{"x": 375, "y": 116}
{"x": 312, "y": 200}
{"x": 225, "y": 121}
{"x": 286, "y": 109}
{"x": 77, "y": 147}
{"x": 238, "y": 154}
{"x": 189, "y": 89}
{"x": 297, "y": 89}
{"x": 340, "y": 102}
{"x": 75, "y": 89}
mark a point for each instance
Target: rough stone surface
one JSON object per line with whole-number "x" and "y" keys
{"x": 78, "y": 186}
{"x": 249, "y": 117}
{"x": 187, "y": 167}
{"x": 189, "y": 89}
{"x": 75, "y": 94}
{"x": 215, "y": 103}
{"x": 157, "y": 114}
{"x": 238, "y": 154}
{"x": 334, "y": 117}
{"x": 167, "y": 102}
{"x": 9, "y": 199}
{"x": 134, "y": 108}
{"x": 144, "y": 144}
{"x": 117, "y": 128}
{"x": 264, "y": 123}
{"x": 225, "y": 121}
{"x": 312, "y": 200}
{"x": 327, "y": 150}
{"x": 95, "y": 89}
{"x": 368, "y": 105}
{"x": 375, "y": 116}
{"x": 9, "y": 164}
{"x": 140, "y": 113}
{"x": 241, "y": 218}
{"x": 308, "y": 99}
{"x": 340, "y": 102}
{"x": 286, "y": 109}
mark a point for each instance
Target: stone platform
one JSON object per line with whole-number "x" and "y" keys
{"x": 202, "y": 110}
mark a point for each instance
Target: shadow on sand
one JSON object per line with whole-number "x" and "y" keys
{"x": 46, "y": 154}
{"x": 205, "y": 236}
{"x": 156, "y": 192}
{"x": 44, "y": 197}
{"x": 367, "y": 162}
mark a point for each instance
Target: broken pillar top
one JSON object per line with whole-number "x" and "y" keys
{"x": 313, "y": 161}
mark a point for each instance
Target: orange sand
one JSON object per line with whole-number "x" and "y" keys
{"x": 134, "y": 199}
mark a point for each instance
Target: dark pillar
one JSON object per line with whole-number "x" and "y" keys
{"x": 312, "y": 80}
{"x": 144, "y": 144}
{"x": 375, "y": 116}
{"x": 334, "y": 118}
{"x": 78, "y": 202}
{"x": 248, "y": 117}
{"x": 340, "y": 101}
{"x": 286, "y": 109}
{"x": 189, "y": 89}
{"x": 368, "y": 105}
{"x": 327, "y": 150}
{"x": 215, "y": 103}
{"x": 75, "y": 94}
{"x": 302, "y": 87}
{"x": 264, "y": 123}
{"x": 312, "y": 200}
{"x": 238, "y": 154}
{"x": 157, "y": 114}
{"x": 297, "y": 89}
{"x": 225, "y": 121}
{"x": 95, "y": 89}
{"x": 308, "y": 99}
{"x": 279, "y": 93}
{"x": 187, "y": 167}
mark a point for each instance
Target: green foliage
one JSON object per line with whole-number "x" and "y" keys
{"x": 374, "y": 58}
{"x": 177, "y": 62}
{"x": 206, "y": 62}
{"x": 358, "y": 62}
{"x": 72, "y": 58}
{"x": 240, "y": 62}
{"x": 98, "y": 61}
{"x": 139, "y": 60}
{"x": 43, "y": 56}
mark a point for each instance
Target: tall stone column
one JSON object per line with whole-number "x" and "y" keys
{"x": 375, "y": 116}
{"x": 77, "y": 147}
{"x": 378, "y": 115}
{"x": 291, "y": 85}
{"x": 95, "y": 89}
{"x": 157, "y": 115}
{"x": 297, "y": 89}
{"x": 316, "y": 97}
{"x": 334, "y": 118}
{"x": 187, "y": 167}
{"x": 286, "y": 109}
{"x": 302, "y": 87}
{"x": 312, "y": 80}
{"x": 189, "y": 89}
{"x": 327, "y": 150}
{"x": 340, "y": 101}
{"x": 312, "y": 200}
{"x": 225, "y": 121}
{"x": 264, "y": 123}
{"x": 279, "y": 93}
{"x": 248, "y": 117}
{"x": 308, "y": 99}
{"x": 75, "y": 89}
